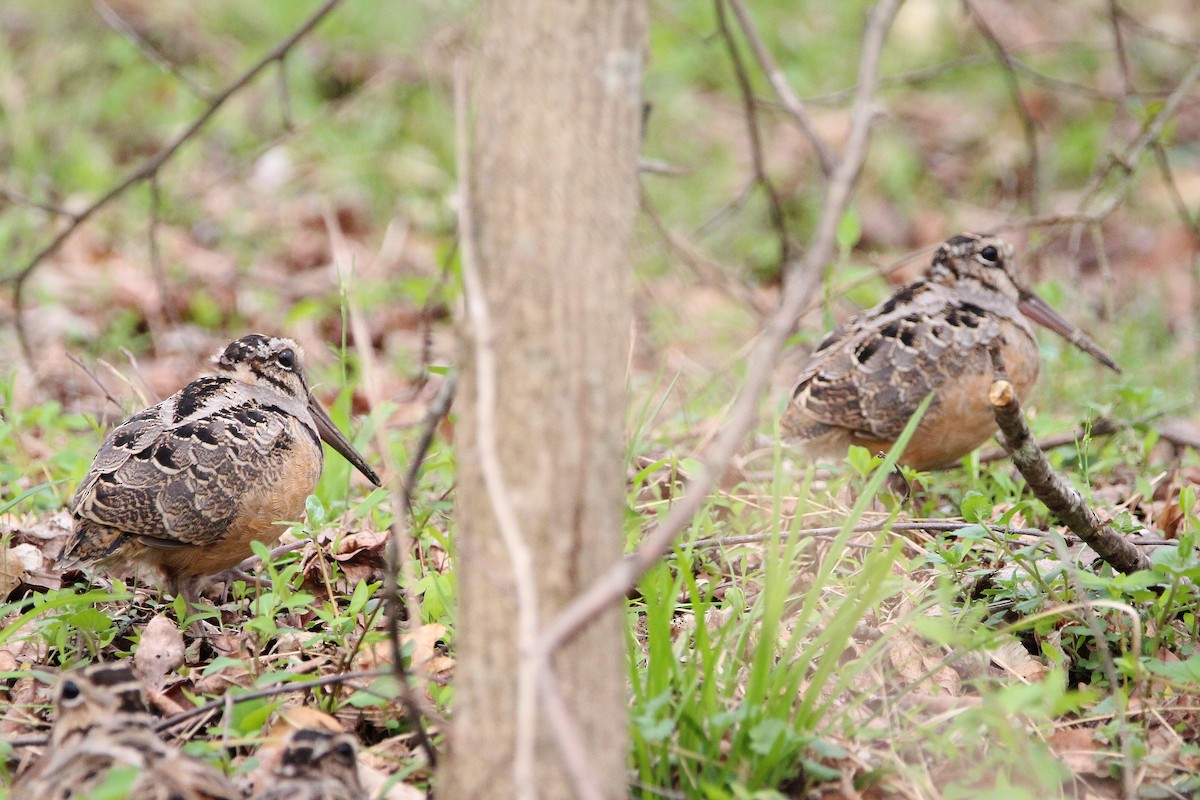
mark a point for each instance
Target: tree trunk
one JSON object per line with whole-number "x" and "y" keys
{"x": 552, "y": 198}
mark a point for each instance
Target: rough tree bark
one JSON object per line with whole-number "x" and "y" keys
{"x": 552, "y": 196}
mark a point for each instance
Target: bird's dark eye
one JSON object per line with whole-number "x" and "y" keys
{"x": 70, "y": 691}
{"x": 287, "y": 359}
{"x": 990, "y": 255}
{"x": 344, "y": 750}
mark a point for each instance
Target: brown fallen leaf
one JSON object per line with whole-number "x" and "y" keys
{"x": 1012, "y": 657}
{"x": 159, "y": 652}
{"x": 12, "y": 570}
{"x": 1076, "y": 747}
{"x": 373, "y": 780}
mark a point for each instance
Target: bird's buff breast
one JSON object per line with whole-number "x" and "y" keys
{"x": 963, "y": 418}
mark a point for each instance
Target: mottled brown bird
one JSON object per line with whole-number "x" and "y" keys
{"x": 187, "y": 485}
{"x": 103, "y": 736}
{"x": 316, "y": 765}
{"x": 937, "y": 335}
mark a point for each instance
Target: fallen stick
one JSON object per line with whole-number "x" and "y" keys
{"x": 1063, "y": 500}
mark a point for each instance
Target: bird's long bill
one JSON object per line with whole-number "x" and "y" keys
{"x": 338, "y": 441}
{"x": 1043, "y": 313}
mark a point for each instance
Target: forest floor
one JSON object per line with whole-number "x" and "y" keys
{"x": 846, "y": 643}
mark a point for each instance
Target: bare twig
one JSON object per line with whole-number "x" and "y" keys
{"x": 791, "y": 103}
{"x": 521, "y": 557}
{"x": 568, "y": 739}
{"x": 396, "y": 560}
{"x": 1181, "y": 208}
{"x": 1028, "y": 128}
{"x": 727, "y": 208}
{"x": 1114, "y": 20}
{"x": 17, "y": 198}
{"x": 400, "y": 542}
{"x": 176, "y": 720}
{"x": 1103, "y": 426}
{"x": 1063, "y": 500}
{"x": 118, "y": 23}
{"x": 1126, "y": 160}
{"x": 427, "y": 309}
{"x": 1157, "y": 34}
{"x": 147, "y": 394}
{"x": 754, "y": 137}
{"x": 88, "y": 371}
{"x": 943, "y": 526}
{"x": 1091, "y": 210}
{"x": 701, "y": 263}
{"x": 610, "y": 586}
{"x": 156, "y": 264}
{"x": 285, "y": 94}
{"x": 150, "y": 168}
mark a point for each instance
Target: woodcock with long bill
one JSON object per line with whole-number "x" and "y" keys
{"x": 102, "y": 727}
{"x": 935, "y": 336}
{"x": 185, "y": 486}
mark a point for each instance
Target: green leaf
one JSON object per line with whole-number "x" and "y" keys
{"x": 316, "y": 511}
{"x": 359, "y": 599}
{"x": 766, "y": 734}
{"x": 1186, "y": 671}
{"x": 655, "y": 730}
{"x": 976, "y": 507}
{"x": 861, "y": 460}
{"x": 117, "y": 784}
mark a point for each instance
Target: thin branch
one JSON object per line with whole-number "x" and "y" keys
{"x": 176, "y": 720}
{"x": 427, "y": 314}
{"x": 1168, "y": 176}
{"x": 1150, "y": 32}
{"x": 400, "y": 540}
{"x": 88, "y": 371}
{"x": 916, "y": 77}
{"x": 1126, "y": 161}
{"x": 285, "y": 95}
{"x": 118, "y": 23}
{"x": 399, "y": 532}
{"x": 17, "y": 198}
{"x": 1028, "y": 128}
{"x": 490, "y": 466}
{"x": 940, "y": 526}
{"x": 754, "y": 137}
{"x": 155, "y": 253}
{"x": 727, "y": 209}
{"x": 1104, "y": 426}
{"x": 610, "y": 586}
{"x": 1114, "y": 20}
{"x": 568, "y": 739}
{"x": 791, "y": 103}
{"x": 150, "y": 167}
{"x": 1088, "y": 211}
{"x": 702, "y": 264}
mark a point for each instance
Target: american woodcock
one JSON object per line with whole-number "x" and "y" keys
{"x": 316, "y": 765}
{"x": 185, "y": 486}
{"x": 870, "y": 374}
{"x": 103, "y": 728}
